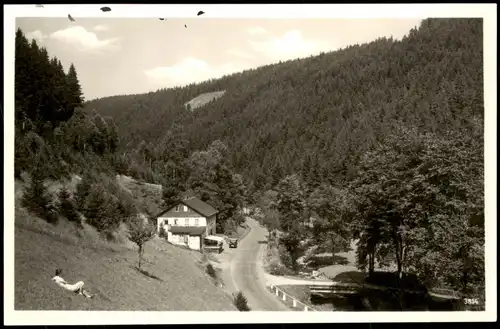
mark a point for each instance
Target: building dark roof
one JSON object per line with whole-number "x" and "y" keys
{"x": 191, "y": 230}
{"x": 201, "y": 207}
{"x": 196, "y": 204}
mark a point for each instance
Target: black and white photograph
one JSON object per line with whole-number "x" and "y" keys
{"x": 224, "y": 158}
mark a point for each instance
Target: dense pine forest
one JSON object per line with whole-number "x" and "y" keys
{"x": 318, "y": 115}
{"x": 55, "y": 139}
{"x": 380, "y": 142}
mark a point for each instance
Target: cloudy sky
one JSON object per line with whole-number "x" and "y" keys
{"x": 115, "y": 56}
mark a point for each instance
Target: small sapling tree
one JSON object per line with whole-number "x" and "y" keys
{"x": 140, "y": 231}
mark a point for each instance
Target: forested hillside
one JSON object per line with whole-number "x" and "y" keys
{"x": 55, "y": 140}
{"x": 317, "y": 115}
{"x": 96, "y": 217}
{"x": 380, "y": 142}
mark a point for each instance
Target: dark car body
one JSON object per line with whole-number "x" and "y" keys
{"x": 233, "y": 243}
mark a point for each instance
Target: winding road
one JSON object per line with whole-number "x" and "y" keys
{"x": 245, "y": 271}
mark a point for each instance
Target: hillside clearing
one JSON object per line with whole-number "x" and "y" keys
{"x": 203, "y": 99}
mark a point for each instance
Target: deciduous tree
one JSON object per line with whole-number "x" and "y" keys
{"x": 140, "y": 231}
{"x": 332, "y": 210}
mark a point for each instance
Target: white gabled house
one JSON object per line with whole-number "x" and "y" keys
{"x": 188, "y": 222}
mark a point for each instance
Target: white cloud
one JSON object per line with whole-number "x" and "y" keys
{"x": 83, "y": 40}
{"x": 190, "y": 70}
{"x": 101, "y": 28}
{"x": 37, "y": 35}
{"x": 239, "y": 53}
{"x": 291, "y": 45}
{"x": 256, "y": 30}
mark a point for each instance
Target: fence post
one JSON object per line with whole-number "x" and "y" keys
{"x": 284, "y": 297}
{"x": 294, "y": 303}
{"x": 305, "y": 308}
{"x": 277, "y": 291}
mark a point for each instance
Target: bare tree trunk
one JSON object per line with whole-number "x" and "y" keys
{"x": 370, "y": 249}
{"x": 465, "y": 269}
{"x": 396, "y": 239}
{"x": 398, "y": 246}
{"x": 371, "y": 263}
{"x": 140, "y": 256}
{"x": 333, "y": 251}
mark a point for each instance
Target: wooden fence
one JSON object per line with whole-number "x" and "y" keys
{"x": 295, "y": 304}
{"x": 444, "y": 293}
{"x": 333, "y": 288}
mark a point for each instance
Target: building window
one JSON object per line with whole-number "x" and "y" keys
{"x": 186, "y": 222}
{"x": 185, "y": 208}
{"x": 186, "y": 239}
{"x": 196, "y": 222}
{"x": 176, "y": 222}
{"x": 177, "y": 208}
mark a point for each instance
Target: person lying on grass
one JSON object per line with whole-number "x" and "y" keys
{"x": 76, "y": 288}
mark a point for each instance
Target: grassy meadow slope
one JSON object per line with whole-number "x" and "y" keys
{"x": 324, "y": 110}
{"x": 174, "y": 278}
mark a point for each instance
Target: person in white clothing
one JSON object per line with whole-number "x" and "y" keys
{"x": 76, "y": 288}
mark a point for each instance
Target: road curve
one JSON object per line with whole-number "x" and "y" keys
{"x": 247, "y": 273}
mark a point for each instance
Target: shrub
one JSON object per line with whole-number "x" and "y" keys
{"x": 211, "y": 271}
{"x": 126, "y": 204}
{"x": 67, "y": 207}
{"x": 241, "y": 302}
{"x": 82, "y": 192}
{"x": 101, "y": 209}
{"x": 38, "y": 200}
{"x": 162, "y": 233}
{"x": 230, "y": 227}
{"x": 275, "y": 268}
{"x": 239, "y": 219}
{"x": 285, "y": 257}
{"x": 135, "y": 171}
{"x": 120, "y": 164}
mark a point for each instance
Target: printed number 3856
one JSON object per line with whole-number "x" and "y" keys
{"x": 471, "y": 301}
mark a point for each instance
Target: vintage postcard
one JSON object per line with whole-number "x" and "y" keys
{"x": 208, "y": 162}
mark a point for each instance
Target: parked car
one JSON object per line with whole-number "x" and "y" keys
{"x": 233, "y": 243}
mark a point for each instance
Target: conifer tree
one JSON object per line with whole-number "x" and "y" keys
{"x": 74, "y": 90}
{"x": 37, "y": 199}
{"x": 67, "y": 207}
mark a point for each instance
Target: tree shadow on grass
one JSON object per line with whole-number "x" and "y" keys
{"x": 262, "y": 242}
{"x": 146, "y": 273}
{"x": 98, "y": 294}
